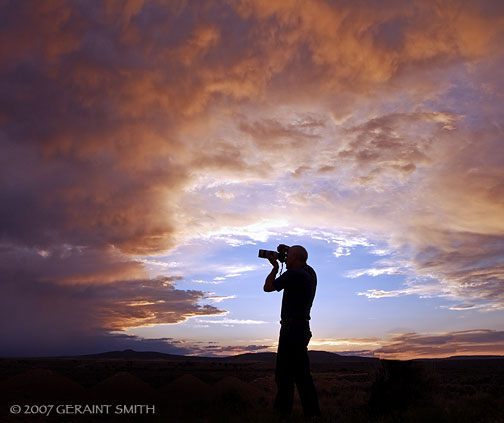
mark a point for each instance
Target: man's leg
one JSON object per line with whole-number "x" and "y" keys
{"x": 303, "y": 377}
{"x": 284, "y": 377}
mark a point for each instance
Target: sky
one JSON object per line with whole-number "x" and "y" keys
{"x": 149, "y": 149}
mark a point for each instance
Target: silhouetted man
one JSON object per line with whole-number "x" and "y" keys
{"x": 299, "y": 283}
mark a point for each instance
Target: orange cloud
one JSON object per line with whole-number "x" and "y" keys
{"x": 470, "y": 342}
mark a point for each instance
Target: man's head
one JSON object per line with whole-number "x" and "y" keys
{"x": 296, "y": 257}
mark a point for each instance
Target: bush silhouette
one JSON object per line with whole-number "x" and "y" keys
{"x": 400, "y": 385}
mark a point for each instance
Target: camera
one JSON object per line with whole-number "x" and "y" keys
{"x": 280, "y": 254}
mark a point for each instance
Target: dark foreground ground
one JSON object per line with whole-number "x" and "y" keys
{"x": 161, "y": 390}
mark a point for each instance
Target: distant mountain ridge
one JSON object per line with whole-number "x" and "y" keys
{"x": 134, "y": 355}
{"x": 463, "y": 357}
{"x": 261, "y": 357}
{"x": 315, "y": 357}
{"x": 266, "y": 357}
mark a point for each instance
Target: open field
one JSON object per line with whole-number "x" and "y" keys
{"x": 242, "y": 390}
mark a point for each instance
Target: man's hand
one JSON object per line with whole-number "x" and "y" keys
{"x": 272, "y": 260}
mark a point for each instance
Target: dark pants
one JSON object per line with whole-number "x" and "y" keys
{"x": 293, "y": 367}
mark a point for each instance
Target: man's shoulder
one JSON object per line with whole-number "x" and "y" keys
{"x": 304, "y": 271}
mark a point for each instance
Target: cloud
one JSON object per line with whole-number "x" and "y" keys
{"x": 341, "y": 251}
{"x": 224, "y": 195}
{"x": 230, "y": 350}
{"x": 214, "y": 282}
{"x": 232, "y": 322}
{"x": 374, "y": 272}
{"x": 470, "y": 342}
{"x": 385, "y": 145}
{"x": 462, "y": 307}
{"x": 457, "y": 234}
{"x": 407, "y": 346}
{"x": 363, "y": 44}
{"x": 271, "y": 134}
{"x": 378, "y": 293}
{"x": 218, "y": 299}
{"x": 347, "y": 344}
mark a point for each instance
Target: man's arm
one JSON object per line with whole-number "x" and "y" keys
{"x": 268, "y": 284}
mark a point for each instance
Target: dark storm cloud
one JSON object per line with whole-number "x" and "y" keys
{"x": 58, "y": 305}
{"x": 54, "y": 201}
{"x": 88, "y": 343}
{"x": 87, "y": 174}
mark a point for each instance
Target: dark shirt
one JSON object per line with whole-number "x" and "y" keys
{"x": 299, "y": 285}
